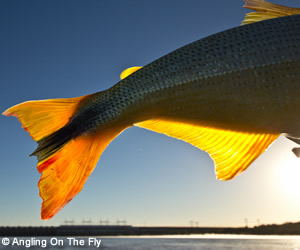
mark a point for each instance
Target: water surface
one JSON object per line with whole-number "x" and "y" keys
{"x": 178, "y": 242}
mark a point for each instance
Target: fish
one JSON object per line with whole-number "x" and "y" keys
{"x": 231, "y": 94}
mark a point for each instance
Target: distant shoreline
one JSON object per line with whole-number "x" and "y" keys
{"x": 96, "y": 230}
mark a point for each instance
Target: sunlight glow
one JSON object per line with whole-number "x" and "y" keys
{"x": 289, "y": 174}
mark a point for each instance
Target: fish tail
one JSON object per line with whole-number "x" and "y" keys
{"x": 265, "y": 10}
{"x": 65, "y": 157}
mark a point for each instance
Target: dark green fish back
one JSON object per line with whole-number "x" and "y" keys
{"x": 245, "y": 78}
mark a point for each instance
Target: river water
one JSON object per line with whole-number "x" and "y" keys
{"x": 178, "y": 242}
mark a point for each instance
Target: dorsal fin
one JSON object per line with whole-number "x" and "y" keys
{"x": 265, "y": 10}
{"x": 232, "y": 151}
{"x": 129, "y": 71}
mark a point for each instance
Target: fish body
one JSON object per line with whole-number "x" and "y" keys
{"x": 230, "y": 94}
{"x": 245, "y": 78}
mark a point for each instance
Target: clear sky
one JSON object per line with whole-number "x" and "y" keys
{"x": 57, "y": 49}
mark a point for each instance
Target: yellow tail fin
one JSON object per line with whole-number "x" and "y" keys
{"x": 265, "y": 10}
{"x": 64, "y": 161}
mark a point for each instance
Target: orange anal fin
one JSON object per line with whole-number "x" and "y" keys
{"x": 232, "y": 151}
{"x": 65, "y": 172}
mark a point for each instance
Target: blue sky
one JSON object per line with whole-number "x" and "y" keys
{"x": 57, "y": 49}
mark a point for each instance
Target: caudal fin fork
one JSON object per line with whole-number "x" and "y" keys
{"x": 65, "y": 159}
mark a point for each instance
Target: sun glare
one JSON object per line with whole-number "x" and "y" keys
{"x": 289, "y": 175}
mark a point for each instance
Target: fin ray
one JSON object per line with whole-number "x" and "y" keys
{"x": 232, "y": 151}
{"x": 266, "y": 10}
{"x": 65, "y": 172}
{"x": 43, "y": 117}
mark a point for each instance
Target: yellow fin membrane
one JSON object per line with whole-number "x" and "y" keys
{"x": 266, "y": 10}
{"x": 232, "y": 151}
{"x": 129, "y": 71}
{"x": 43, "y": 117}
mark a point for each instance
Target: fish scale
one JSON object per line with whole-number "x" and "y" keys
{"x": 236, "y": 73}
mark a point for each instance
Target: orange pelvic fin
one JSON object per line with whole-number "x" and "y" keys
{"x": 265, "y": 10}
